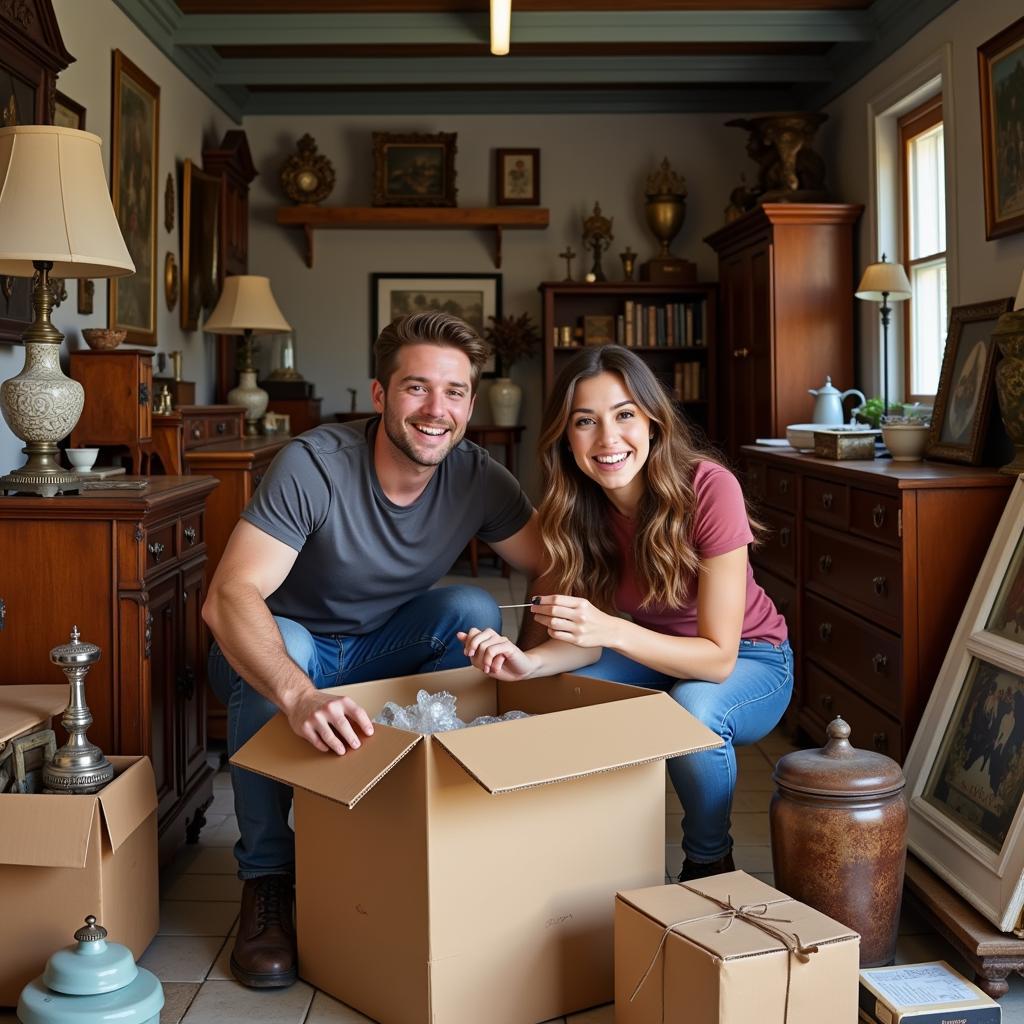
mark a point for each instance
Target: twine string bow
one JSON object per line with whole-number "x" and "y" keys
{"x": 755, "y": 914}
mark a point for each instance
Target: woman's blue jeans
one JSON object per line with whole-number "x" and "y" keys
{"x": 419, "y": 637}
{"x": 742, "y": 709}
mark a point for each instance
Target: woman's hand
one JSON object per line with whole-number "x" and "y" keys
{"x": 574, "y": 620}
{"x": 497, "y": 655}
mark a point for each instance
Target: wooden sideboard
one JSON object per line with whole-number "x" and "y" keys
{"x": 127, "y": 567}
{"x": 871, "y": 563}
{"x": 191, "y": 426}
{"x": 238, "y": 466}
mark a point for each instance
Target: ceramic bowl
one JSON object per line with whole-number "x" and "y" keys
{"x": 801, "y": 435}
{"x": 82, "y": 459}
{"x": 906, "y": 441}
{"x": 103, "y": 338}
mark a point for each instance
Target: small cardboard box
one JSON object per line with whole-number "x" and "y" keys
{"x": 680, "y": 954}
{"x": 63, "y": 857}
{"x": 469, "y": 876}
{"x": 931, "y": 993}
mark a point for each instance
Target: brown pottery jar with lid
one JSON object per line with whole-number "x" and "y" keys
{"x": 839, "y": 838}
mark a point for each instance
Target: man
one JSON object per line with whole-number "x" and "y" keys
{"x": 325, "y": 581}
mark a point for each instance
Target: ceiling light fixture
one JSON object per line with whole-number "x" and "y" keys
{"x": 501, "y": 26}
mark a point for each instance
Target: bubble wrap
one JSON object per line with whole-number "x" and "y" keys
{"x": 435, "y": 712}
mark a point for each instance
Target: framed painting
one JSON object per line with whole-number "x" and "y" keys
{"x": 517, "y": 174}
{"x": 67, "y": 113}
{"x": 472, "y": 297}
{"x": 965, "y": 769}
{"x": 414, "y": 169}
{"x": 1001, "y": 86}
{"x": 966, "y": 384}
{"x": 200, "y": 243}
{"x": 134, "y": 148}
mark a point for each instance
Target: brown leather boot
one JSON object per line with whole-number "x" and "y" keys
{"x": 264, "y": 955}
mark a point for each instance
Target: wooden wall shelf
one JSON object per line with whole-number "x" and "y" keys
{"x": 316, "y": 218}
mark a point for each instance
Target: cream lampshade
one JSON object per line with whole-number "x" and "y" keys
{"x": 55, "y": 217}
{"x": 247, "y": 307}
{"x": 884, "y": 282}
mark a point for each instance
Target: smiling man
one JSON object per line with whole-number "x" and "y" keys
{"x": 326, "y": 580}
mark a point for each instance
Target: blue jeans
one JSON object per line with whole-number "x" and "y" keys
{"x": 419, "y": 637}
{"x": 742, "y": 709}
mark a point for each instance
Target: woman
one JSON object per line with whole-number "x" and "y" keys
{"x": 637, "y": 521}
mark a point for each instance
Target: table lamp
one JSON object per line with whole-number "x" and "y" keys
{"x": 247, "y": 307}
{"x": 884, "y": 282}
{"x": 55, "y": 217}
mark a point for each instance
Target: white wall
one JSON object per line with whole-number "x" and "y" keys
{"x": 92, "y": 30}
{"x": 983, "y": 270}
{"x": 583, "y": 159}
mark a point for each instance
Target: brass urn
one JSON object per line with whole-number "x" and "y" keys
{"x": 1009, "y": 336}
{"x": 665, "y": 206}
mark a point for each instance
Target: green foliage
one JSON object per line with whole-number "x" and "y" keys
{"x": 871, "y": 412}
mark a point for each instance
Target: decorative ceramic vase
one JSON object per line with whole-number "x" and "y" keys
{"x": 906, "y": 441}
{"x": 1009, "y": 336}
{"x": 838, "y": 823}
{"x": 252, "y": 397}
{"x": 506, "y": 398}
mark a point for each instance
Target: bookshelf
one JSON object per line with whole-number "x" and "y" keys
{"x": 670, "y": 326}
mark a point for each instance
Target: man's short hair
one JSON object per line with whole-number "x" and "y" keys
{"x": 431, "y": 327}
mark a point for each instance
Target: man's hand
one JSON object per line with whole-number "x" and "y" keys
{"x": 574, "y": 620}
{"x": 326, "y": 721}
{"x": 496, "y": 655}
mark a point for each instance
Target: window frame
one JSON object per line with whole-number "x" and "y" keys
{"x": 909, "y": 126}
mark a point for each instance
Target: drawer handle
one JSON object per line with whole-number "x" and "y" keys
{"x": 880, "y": 585}
{"x": 784, "y": 537}
{"x": 148, "y": 634}
{"x": 156, "y": 549}
{"x": 825, "y": 630}
{"x": 880, "y": 741}
{"x": 190, "y": 535}
{"x": 878, "y": 516}
{"x": 741, "y": 353}
{"x": 825, "y": 563}
{"x": 783, "y": 486}
{"x": 221, "y": 427}
{"x": 879, "y": 663}
{"x": 826, "y": 500}
{"x": 197, "y": 431}
{"x": 826, "y": 701}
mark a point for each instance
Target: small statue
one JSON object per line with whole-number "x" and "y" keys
{"x": 597, "y": 236}
{"x": 568, "y": 256}
{"x": 789, "y": 170}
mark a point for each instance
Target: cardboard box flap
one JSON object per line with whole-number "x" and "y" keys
{"x": 700, "y": 920}
{"x": 128, "y": 803}
{"x": 514, "y": 755}
{"x": 22, "y": 707}
{"x": 42, "y": 830}
{"x": 275, "y": 751}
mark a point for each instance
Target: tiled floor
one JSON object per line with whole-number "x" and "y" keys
{"x": 200, "y": 894}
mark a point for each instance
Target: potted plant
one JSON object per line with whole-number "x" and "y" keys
{"x": 511, "y": 338}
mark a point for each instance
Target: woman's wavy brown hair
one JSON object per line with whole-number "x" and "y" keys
{"x": 579, "y": 545}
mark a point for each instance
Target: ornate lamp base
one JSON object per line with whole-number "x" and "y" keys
{"x": 47, "y": 485}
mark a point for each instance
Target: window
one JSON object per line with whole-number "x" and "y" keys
{"x": 922, "y": 173}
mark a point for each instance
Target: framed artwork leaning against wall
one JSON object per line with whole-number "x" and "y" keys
{"x": 965, "y": 769}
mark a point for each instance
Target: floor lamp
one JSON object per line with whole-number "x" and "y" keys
{"x": 884, "y": 282}
{"x": 55, "y": 218}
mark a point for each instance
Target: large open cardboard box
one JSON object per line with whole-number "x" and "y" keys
{"x": 470, "y": 876}
{"x": 63, "y": 857}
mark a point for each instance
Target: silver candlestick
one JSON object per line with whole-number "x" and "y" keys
{"x": 79, "y": 766}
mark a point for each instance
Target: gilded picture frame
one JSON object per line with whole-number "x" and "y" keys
{"x": 134, "y": 161}
{"x": 200, "y": 243}
{"x": 414, "y": 169}
{"x": 966, "y": 384}
{"x": 1001, "y": 90}
{"x": 965, "y": 768}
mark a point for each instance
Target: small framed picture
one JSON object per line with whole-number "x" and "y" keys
{"x": 414, "y": 169}
{"x": 599, "y": 329}
{"x": 67, "y": 113}
{"x": 517, "y": 177}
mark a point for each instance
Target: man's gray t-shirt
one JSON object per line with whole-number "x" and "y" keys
{"x": 360, "y": 555}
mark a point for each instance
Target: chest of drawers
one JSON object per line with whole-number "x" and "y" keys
{"x": 871, "y": 564}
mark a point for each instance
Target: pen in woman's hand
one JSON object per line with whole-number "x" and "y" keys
{"x": 535, "y": 600}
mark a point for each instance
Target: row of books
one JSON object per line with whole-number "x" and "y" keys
{"x": 688, "y": 385}
{"x": 674, "y": 325}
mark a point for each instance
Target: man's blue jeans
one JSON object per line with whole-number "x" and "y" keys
{"x": 419, "y": 637}
{"x": 742, "y": 709}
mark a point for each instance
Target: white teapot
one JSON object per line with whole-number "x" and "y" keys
{"x": 828, "y": 403}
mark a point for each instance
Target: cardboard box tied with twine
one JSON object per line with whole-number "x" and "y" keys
{"x": 730, "y": 950}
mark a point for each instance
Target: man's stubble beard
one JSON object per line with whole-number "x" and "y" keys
{"x": 394, "y": 428}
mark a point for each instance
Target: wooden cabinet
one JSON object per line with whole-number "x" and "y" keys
{"x": 861, "y": 560}
{"x": 303, "y": 413}
{"x": 126, "y": 567}
{"x": 118, "y": 401}
{"x": 786, "y": 284}
{"x": 684, "y": 359}
{"x": 239, "y": 467}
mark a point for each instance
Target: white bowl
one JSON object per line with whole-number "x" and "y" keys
{"x": 906, "y": 441}
{"x": 82, "y": 459}
{"x": 801, "y": 435}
